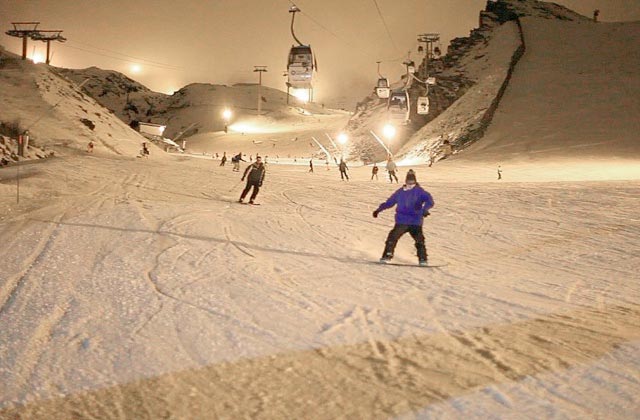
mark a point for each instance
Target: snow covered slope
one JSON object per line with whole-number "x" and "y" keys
{"x": 56, "y": 112}
{"x": 141, "y": 289}
{"x": 198, "y": 103}
{"x": 575, "y": 93}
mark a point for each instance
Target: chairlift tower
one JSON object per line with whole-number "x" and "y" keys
{"x": 48, "y": 36}
{"x": 259, "y": 70}
{"x": 24, "y": 30}
{"x": 428, "y": 39}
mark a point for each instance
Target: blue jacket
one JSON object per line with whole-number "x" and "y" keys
{"x": 412, "y": 204}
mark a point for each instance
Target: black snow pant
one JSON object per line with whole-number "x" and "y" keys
{"x": 254, "y": 194}
{"x": 343, "y": 175}
{"x": 396, "y": 233}
{"x": 393, "y": 174}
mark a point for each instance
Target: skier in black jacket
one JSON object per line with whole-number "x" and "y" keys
{"x": 255, "y": 176}
{"x": 343, "y": 170}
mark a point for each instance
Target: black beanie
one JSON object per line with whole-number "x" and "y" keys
{"x": 411, "y": 177}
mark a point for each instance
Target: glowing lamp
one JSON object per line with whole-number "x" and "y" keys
{"x": 303, "y": 95}
{"x": 37, "y": 58}
{"x": 389, "y": 131}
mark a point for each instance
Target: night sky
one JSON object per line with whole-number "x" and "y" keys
{"x": 174, "y": 43}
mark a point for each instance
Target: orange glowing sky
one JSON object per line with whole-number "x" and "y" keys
{"x": 167, "y": 44}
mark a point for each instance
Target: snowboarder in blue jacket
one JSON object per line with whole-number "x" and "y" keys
{"x": 412, "y": 206}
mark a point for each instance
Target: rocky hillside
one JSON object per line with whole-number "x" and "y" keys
{"x": 198, "y": 103}
{"x": 471, "y": 79}
{"x": 57, "y": 114}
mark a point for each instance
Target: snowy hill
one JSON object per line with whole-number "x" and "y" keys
{"x": 198, "y": 103}
{"x": 574, "y": 94}
{"x": 522, "y": 48}
{"x": 57, "y": 113}
{"x": 141, "y": 288}
{"x": 574, "y": 84}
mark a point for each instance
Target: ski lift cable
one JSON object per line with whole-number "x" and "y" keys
{"x": 128, "y": 60}
{"x": 384, "y": 22}
{"x": 138, "y": 59}
{"x": 348, "y": 44}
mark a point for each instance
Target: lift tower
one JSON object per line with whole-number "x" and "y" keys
{"x": 24, "y": 30}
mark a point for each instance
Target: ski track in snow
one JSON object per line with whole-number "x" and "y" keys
{"x": 156, "y": 274}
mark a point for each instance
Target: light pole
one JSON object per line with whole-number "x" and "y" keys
{"x": 226, "y": 114}
{"x": 343, "y": 138}
{"x": 389, "y": 132}
{"x": 259, "y": 70}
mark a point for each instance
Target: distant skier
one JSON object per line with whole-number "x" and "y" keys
{"x": 374, "y": 171}
{"x": 311, "y": 165}
{"x": 391, "y": 168}
{"x": 343, "y": 170}
{"x": 145, "y": 150}
{"x": 255, "y": 177}
{"x": 413, "y": 204}
{"x": 223, "y": 161}
{"x": 499, "y": 172}
{"x": 446, "y": 149}
{"x": 90, "y": 147}
{"x": 596, "y": 13}
{"x": 236, "y": 162}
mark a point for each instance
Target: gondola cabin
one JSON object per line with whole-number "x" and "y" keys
{"x": 422, "y": 105}
{"x": 382, "y": 88}
{"x": 300, "y": 67}
{"x": 398, "y": 107}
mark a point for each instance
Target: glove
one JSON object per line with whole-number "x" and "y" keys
{"x": 426, "y": 213}
{"x": 375, "y": 213}
{"x": 242, "y": 179}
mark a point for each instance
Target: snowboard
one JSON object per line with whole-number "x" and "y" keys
{"x": 251, "y": 204}
{"x": 401, "y": 264}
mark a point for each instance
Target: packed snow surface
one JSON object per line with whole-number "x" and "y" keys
{"x": 140, "y": 288}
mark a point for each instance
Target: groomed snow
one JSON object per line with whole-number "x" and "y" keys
{"x": 141, "y": 289}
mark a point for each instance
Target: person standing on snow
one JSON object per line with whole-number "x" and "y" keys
{"x": 236, "y": 162}
{"x": 412, "y": 206}
{"x": 391, "y": 168}
{"x": 311, "y": 165}
{"x": 255, "y": 176}
{"x": 374, "y": 171}
{"x": 343, "y": 170}
{"x": 224, "y": 159}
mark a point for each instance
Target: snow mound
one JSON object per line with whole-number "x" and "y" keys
{"x": 57, "y": 113}
{"x": 196, "y": 107}
{"x": 573, "y": 94}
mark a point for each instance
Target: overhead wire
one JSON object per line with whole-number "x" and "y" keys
{"x": 386, "y": 27}
{"x": 123, "y": 57}
{"x": 348, "y": 44}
